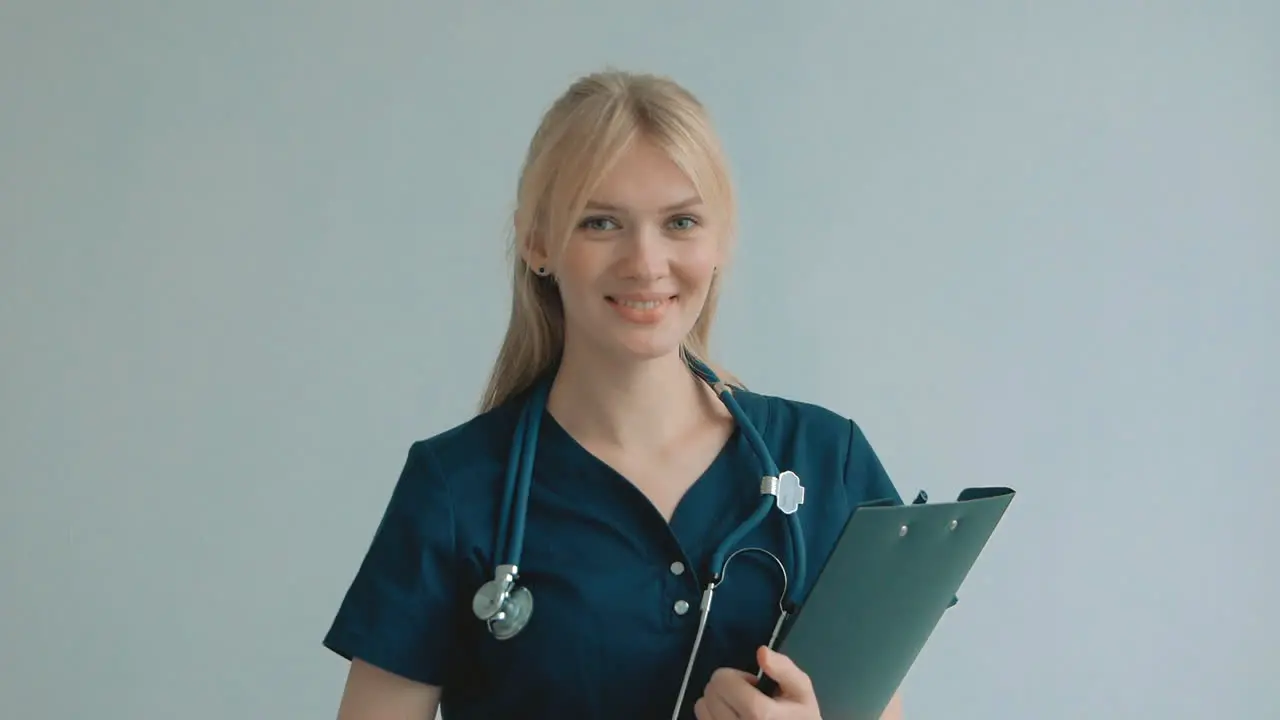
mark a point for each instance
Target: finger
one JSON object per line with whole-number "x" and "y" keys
{"x": 730, "y": 678}
{"x": 713, "y": 707}
{"x": 737, "y": 690}
{"x": 793, "y": 683}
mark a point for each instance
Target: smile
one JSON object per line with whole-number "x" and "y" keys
{"x": 646, "y": 310}
{"x": 641, "y": 304}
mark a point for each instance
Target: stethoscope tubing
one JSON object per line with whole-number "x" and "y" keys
{"x": 796, "y": 554}
{"x": 519, "y": 477}
{"x": 515, "y": 506}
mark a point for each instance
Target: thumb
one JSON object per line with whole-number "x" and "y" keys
{"x": 793, "y": 683}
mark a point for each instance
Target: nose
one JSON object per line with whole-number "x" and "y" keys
{"x": 647, "y": 253}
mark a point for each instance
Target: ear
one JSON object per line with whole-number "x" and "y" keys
{"x": 533, "y": 252}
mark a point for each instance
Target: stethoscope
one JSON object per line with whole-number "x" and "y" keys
{"x": 506, "y": 606}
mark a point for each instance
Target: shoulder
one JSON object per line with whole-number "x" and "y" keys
{"x": 825, "y": 442}
{"x": 790, "y": 413}
{"x": 472, "y": 445}
{"x": 407, "y": 583}
{"x": 801, "y": 425}
{"x": 470, "y": 456}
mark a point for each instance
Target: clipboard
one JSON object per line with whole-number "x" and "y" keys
{"x": 893, "y": 573}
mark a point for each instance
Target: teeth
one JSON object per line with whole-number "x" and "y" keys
{"x": 646, "y": 305}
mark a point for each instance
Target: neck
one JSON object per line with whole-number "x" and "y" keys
{"x": 642, "y": 405}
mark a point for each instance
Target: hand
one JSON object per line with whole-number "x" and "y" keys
{"x": 732, "y": 694}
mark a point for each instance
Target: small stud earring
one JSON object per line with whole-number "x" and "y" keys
{"x": 542, "y": 270}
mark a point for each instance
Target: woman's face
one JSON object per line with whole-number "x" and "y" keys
{"x": 635, "y": 273}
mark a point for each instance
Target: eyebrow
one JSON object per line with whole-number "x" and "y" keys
{"x": 682, "y": 205}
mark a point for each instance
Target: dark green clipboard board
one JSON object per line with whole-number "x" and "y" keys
{"x": 893, "y": 573}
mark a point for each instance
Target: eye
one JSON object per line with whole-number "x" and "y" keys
{"x": 598, "y": 224}
{"x": 683, "y": 223}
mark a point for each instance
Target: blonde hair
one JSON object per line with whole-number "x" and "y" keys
{"x": 580, "y": 137}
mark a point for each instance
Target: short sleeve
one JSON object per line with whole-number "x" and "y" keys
{"x": 864, "y": 477}
{"x": 397, "y": 612}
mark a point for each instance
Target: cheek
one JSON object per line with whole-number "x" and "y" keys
{"x": 577, "y": 275}
{"x": 579, "y": 264}
{"x": 574, "y": 265}
{"x": 699, "y": 265}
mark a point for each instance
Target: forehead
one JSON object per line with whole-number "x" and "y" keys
{"x": 644, "y": 177}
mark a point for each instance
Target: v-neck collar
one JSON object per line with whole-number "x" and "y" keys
{"x": 727, "y": 489}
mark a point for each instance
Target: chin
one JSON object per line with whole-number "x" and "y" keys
{"x": 643, "y": 347}
{"x": 646, "y": 353}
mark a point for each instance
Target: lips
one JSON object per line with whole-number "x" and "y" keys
{"x": 647, "y": 301}
{"x": 641, "y": 304}
{"x": 642, "y": 309}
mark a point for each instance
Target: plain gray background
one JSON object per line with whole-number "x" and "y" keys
{"x": 252, "y": 250}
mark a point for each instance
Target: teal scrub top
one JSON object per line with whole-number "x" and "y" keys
{"x": 615, "y": 586}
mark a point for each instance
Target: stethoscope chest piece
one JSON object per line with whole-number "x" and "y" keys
{"x": 514, "y": 616}
{"x": 503, "y": 605}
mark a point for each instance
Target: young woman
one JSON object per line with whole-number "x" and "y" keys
{"x": 569, "y": 584}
